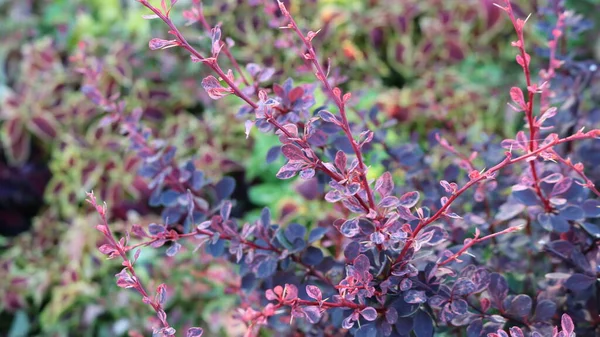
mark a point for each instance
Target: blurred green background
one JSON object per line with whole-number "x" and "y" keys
{"x": 424, "y": 63}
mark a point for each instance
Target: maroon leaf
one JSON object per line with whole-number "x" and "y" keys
{"x": 17, "y": 142}
{"x": 292, "y": 152}
{"x": 295, "y": 94}
{"x": 44, "y": 127}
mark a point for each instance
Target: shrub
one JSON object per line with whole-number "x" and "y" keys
{"x": 398, "y": 253}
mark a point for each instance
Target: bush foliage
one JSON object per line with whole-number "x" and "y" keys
{"x": 242, "y": 188}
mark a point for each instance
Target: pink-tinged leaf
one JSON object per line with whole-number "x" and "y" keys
{"x": 449, "y": 187}
{"x": 350, "y": 228}
{"x": 107, "y": 249}
{"x": 161, "y": 294}
{"x": 562, "y": 186}
{"x": 312, "y": 314}
{"x": 551, "y": 112}
{"x": 307, "y": 174}
{"x": 194, "y": 332}
{"x": 369, "y": 313}
{"x": 295, "y": 94}
{"x": 216, "y": 41}
{"x": 365, "y": 137}
{"x": 523, "y": 63}
{"x": 389, "y": 201}
{"x": 384, "y": 185}
{"x": 290, "y": 292}
{"x": 213, "y": 88}
{"x": 567, "y": 325}
{"x": 348, "y": 322}
{"x": 516, "y": 332}
{"x": 415, "y": 296}
{"x": 409, "y": 199}
{"x": 314, "y": 292}
{"x": 405, "y": 214}
{"x": 124, "y": 280}
{"x": 287, "y": 172}
{"x": 328, "y": 117}
{"x": 157, "y": 43}
{"x": 516, "y": 94}
{"x": 292, "y": 152}
{"x": 333, "y": 196}
{"x": 522, "y": 139}
{"x": 341, "y": 161}
{"x": 44, "y": 127}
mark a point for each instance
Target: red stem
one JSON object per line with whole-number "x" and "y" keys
{"x": 506, "y": 162}
{"x": 529, "y": 109}
{"x": 322, "y": 76}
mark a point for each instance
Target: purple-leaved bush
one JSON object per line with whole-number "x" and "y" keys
{"x": 410, "y": 259}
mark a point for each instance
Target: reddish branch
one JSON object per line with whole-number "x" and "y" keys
{"x": 120, "y": 250}
{"x": 489, "y": 174}
{"x": 335, "y": 94}
{"x": 524, "y": 62}
{"x": 471, "y": 242}
{"x": 212, "y": 63}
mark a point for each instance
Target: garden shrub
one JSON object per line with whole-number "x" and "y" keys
{"x": 57, "y": 285}
{"x": 465, "y": 234}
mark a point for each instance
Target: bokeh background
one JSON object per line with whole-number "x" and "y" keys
{"x": 422, "y": 64}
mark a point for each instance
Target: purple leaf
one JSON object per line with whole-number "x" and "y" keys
{"x": 174, "y": 249}
{"x": 562, "y": 186}
{"x": 520, "y": 306}
{"x": 384, "y": 184}
{"x": 340, "y": 161}
{"x": 328, "y": 117}
{"x": 362, "y": 264}
{"x": 409, "y": 199}
{"x": 459, "y": 306}
{"x": 498, "y": 288}
{"x": 194, "y": 332}
{"x": 312, "y": 314}
{"x": 369, "y": 313}
{"x": 415, "y": 296}
{"x": 307, "y": 174}
{"x": 350, "y": 228}
{"x": 516, "y": 332}
{"x": 314, "y": 292}
{"x": 292, "y": 152}
{"x": 579, "y": 282}
{"x": 286, "y": 172}
{"x": 463, "y": 287}
{"x": 389, "y": 201}
{"x": 405, "y": 214}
